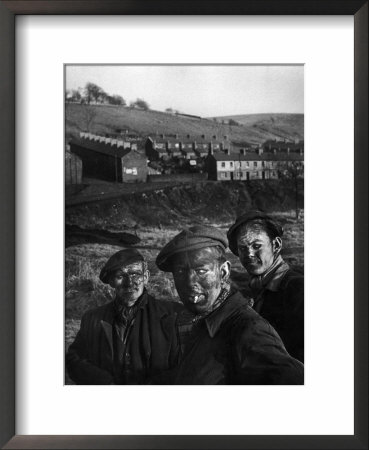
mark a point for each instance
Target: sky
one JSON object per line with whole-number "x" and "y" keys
{"x": 206, "y": 91}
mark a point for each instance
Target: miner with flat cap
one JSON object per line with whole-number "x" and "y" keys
{"x": 224, "y": 341}
{"x": 276, "y": 288}
{"x": 130, "y": 340}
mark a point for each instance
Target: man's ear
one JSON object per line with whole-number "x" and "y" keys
{"x": 146, "y": 276}
{"x": 277, "y": 245}
{"x": 225, "y": 270}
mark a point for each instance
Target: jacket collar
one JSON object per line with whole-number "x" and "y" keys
{"x": 215, "y": 320}
{"x": 108, "y": 320}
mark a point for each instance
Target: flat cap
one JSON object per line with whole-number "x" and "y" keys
{"x": 119, "y": 259}
{"x": 247, "y": 217}
{"x": 194, "y": 238}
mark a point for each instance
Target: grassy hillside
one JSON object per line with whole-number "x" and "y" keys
{"x": 282, "y": 125}
{"x": 252, "y": 129}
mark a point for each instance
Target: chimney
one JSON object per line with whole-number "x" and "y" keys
{"x": 242, "y": 151}
{"x": 176, "y": 136}
{"x": 162, "y": 136}
{"x": 274, "y": 151}
{"x": 288, "y": 150}
{"x": 227, "y": 151}
{"x": 259, "y": 150}
{"x": 211, "y": 151}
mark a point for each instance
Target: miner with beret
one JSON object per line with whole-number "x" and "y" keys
{"x": 277, "y": 289}
{"x": 223, "y": 340}
{"x": 129, "y": 340}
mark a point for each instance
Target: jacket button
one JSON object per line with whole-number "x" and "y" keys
{"x": 128, "y": 358}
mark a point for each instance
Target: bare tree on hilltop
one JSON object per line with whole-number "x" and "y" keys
{"x": 94, "y": 93}
{"x": 140, "y": 104}
{"x": 116, "y": 100}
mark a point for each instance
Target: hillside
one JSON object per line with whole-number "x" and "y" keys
{"x": 281, "y": 125}
{"x": 252, "y": 128}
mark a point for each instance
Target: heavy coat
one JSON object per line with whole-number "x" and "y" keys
{"x": 152, "y": 345}
{"x": 235, "y": 345}
{"x": 283, "y": 308}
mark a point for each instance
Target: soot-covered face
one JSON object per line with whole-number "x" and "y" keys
{"x": 129, "y": 282}
{"x": 256, "y": 250}
{"x": 198, "y": 275}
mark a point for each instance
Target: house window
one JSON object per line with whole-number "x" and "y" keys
{"x": 231, "y": 164}
{"x": 255, "y": 164}
{"x": 263, "y": 163}
{"x": 223, "y": 164}
{"x": 247, "y": 164}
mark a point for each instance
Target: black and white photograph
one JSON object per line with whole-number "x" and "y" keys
{"x": 184, "y": 224}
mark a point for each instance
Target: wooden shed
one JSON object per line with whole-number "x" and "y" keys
{"x": 73, "y": 169}
{"x": 108, "y": 162}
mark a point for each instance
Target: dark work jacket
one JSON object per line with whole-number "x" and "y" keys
{"x": 152, "y": 345}
{"x": 283, "y": 308}
{"x": 235, "y": 345}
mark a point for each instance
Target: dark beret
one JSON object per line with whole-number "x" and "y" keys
{"x": 118, "y": 260}
{"x": 194, "y": 238}
{"x": 247, "y": 217}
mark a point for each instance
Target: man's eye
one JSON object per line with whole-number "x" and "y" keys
{"x": 201, "y": 271}
{"x": 256, "y": 246}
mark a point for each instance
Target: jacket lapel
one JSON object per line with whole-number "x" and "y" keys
{"x": 108, "y": 329}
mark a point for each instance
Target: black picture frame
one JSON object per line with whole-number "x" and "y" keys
{"x": 8, "y": 11}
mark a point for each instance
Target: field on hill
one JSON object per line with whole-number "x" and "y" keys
{"x": 252, "y": 128}
{"x": 277, "y": 124}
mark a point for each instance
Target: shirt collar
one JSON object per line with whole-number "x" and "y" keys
{"x": 140, "y": 303}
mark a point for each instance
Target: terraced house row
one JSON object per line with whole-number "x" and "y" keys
{"x": 252, "y": 164}
{"x": 186, "y": 147}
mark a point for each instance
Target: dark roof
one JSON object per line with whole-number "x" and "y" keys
{"x": 255, "y": 157}
{"x": 100, "y": 147}
{"x": 186, "y": 140}
{"x": 284, "y": 145}
{"x": 188, "y": 150}
{"x": 202, "y": 150}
